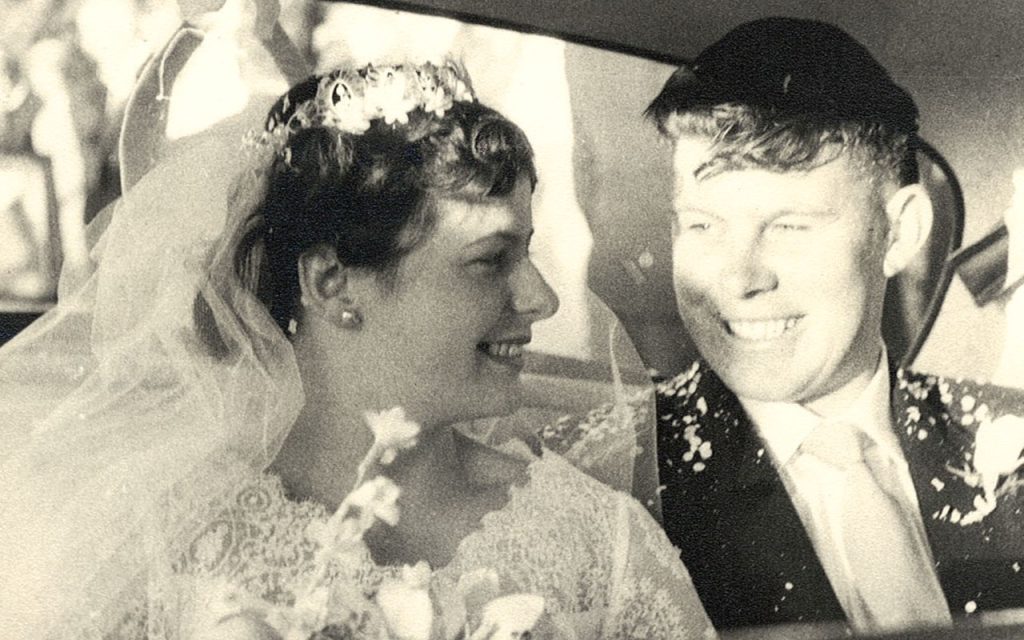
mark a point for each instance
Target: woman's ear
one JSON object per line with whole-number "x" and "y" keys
{"x": 910, "y": 215}
{"x": 325, "y": 285}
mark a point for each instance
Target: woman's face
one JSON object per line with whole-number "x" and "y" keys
{"x": 451, "y": 332}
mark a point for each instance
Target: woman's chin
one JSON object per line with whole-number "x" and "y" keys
{"x": 494, "y": 400}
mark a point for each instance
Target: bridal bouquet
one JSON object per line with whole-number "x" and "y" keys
{"x": 329, "y": 607}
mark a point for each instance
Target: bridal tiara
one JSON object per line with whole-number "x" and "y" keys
{"x": 350, "y": 99}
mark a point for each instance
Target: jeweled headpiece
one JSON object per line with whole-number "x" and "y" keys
{"x": 349, "y": 100}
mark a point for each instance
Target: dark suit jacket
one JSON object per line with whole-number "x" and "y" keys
{"x": 743, "y": 542}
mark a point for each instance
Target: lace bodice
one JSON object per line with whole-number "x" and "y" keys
{"x": 593, "y": 553}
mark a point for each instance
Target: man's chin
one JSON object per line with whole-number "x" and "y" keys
{"x": 760, "y": 384}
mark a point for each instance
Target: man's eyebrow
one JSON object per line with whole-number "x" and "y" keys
{"x": 816, "y": 212}
{"x": 697, "y": 211}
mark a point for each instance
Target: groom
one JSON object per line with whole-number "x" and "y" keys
{"x": 803, "y": 477}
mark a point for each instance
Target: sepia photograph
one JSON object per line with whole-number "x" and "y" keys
{"x": 464, "y": 320}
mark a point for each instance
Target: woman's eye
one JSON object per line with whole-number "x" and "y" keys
{"x": 492, "y": 260}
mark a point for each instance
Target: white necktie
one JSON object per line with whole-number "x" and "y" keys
{"x": 894, "y": 583}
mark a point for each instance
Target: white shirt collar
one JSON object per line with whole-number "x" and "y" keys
{"x": 784, "y": 425}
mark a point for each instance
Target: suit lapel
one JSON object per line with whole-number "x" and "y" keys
{"x": 981, "y": 565}
{"x": 741, "y": 536}
{"x": 730, "y": 514}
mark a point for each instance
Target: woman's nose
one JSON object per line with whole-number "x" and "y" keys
{"x": 531, "y": 293}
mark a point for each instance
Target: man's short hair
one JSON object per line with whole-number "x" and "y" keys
{"x": 786, "y": 94}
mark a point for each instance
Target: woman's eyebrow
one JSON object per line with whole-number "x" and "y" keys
{"x": 504, "y": 235}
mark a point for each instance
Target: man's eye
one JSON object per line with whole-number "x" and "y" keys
{"x": 789, "y": 226}
{"x": 697, "y": 225}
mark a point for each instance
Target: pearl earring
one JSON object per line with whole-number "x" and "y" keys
{"x": 350, "y": 318}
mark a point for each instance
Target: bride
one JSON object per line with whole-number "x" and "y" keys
{"x": 197, "y": 409}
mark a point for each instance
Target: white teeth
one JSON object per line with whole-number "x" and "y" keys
{"x": 760, "y": 329}
{"x": 504, "y": 349}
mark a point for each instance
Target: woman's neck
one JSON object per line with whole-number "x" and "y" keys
{"x": 321, "y": 456}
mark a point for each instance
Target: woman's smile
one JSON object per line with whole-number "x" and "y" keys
{"x": 507, "y": 352}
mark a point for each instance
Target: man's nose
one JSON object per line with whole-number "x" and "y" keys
{"x": 746, "y": 272}
{"x": 531, "y": 293}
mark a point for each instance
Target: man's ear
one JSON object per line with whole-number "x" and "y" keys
{"x": 910, "y": 215}
{"x": 325, "y": 284}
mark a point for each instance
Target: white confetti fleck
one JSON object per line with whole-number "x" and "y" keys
{"x": 967, "y": 403}
{"x": 699, "y": 466}
{"x": 967, "y": 419}
{"x": 922, "y": 434}
{"x": 1016, "y": 567}
{"x": 702, "y": 405}
{"x": 983, "y": 414}
{"x": 760, "y": 452}
{"x": 789, "y": 586}
{"x": 971, "y": 606}
{"x": 938, "y": 484}
{"x": 688, "y": 456}
{"x": 705, "y": 450}
{"x": 955, "y": 516}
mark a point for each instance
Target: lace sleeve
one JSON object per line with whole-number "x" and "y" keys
{"x": 652, "y": 595}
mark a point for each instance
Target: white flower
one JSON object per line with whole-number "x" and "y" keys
{"x": 345, "y": 110}
{"x": 406, "y": 606}
{"x": 306, "y": 617}
{"x": 387, "y": 95}
{"x": 477, "y": 588}
{"x": 240, "y": 627}
{"x": 376, "y": 498}
{"x": 998, "y": 446}
{"x": 417, "y": 575}
{"x": 509, "y": 617}
{"x": 228, "y": 611}
{"x": 392, "y": 432}
{"x": 436, "y": 101}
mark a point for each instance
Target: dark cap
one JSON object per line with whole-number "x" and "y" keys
{"x": 794, "y": 68}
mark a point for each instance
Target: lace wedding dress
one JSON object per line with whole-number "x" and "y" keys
{"x": 603, "y": 566}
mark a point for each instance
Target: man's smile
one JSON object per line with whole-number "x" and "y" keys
{"x": 761, "y": 330}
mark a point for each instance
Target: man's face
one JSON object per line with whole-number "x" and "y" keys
{"x": 779, "y": 276}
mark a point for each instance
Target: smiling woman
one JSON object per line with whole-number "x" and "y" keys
{"x": 364, "y": 258}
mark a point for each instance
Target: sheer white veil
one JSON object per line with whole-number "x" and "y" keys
{"x": 132, "y": 406}
{"x": 151, "y": 378}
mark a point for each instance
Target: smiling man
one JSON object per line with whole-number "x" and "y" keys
{"x": 804, "y": 477}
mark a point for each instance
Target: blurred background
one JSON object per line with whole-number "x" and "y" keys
{"x": 576, "y": 76}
